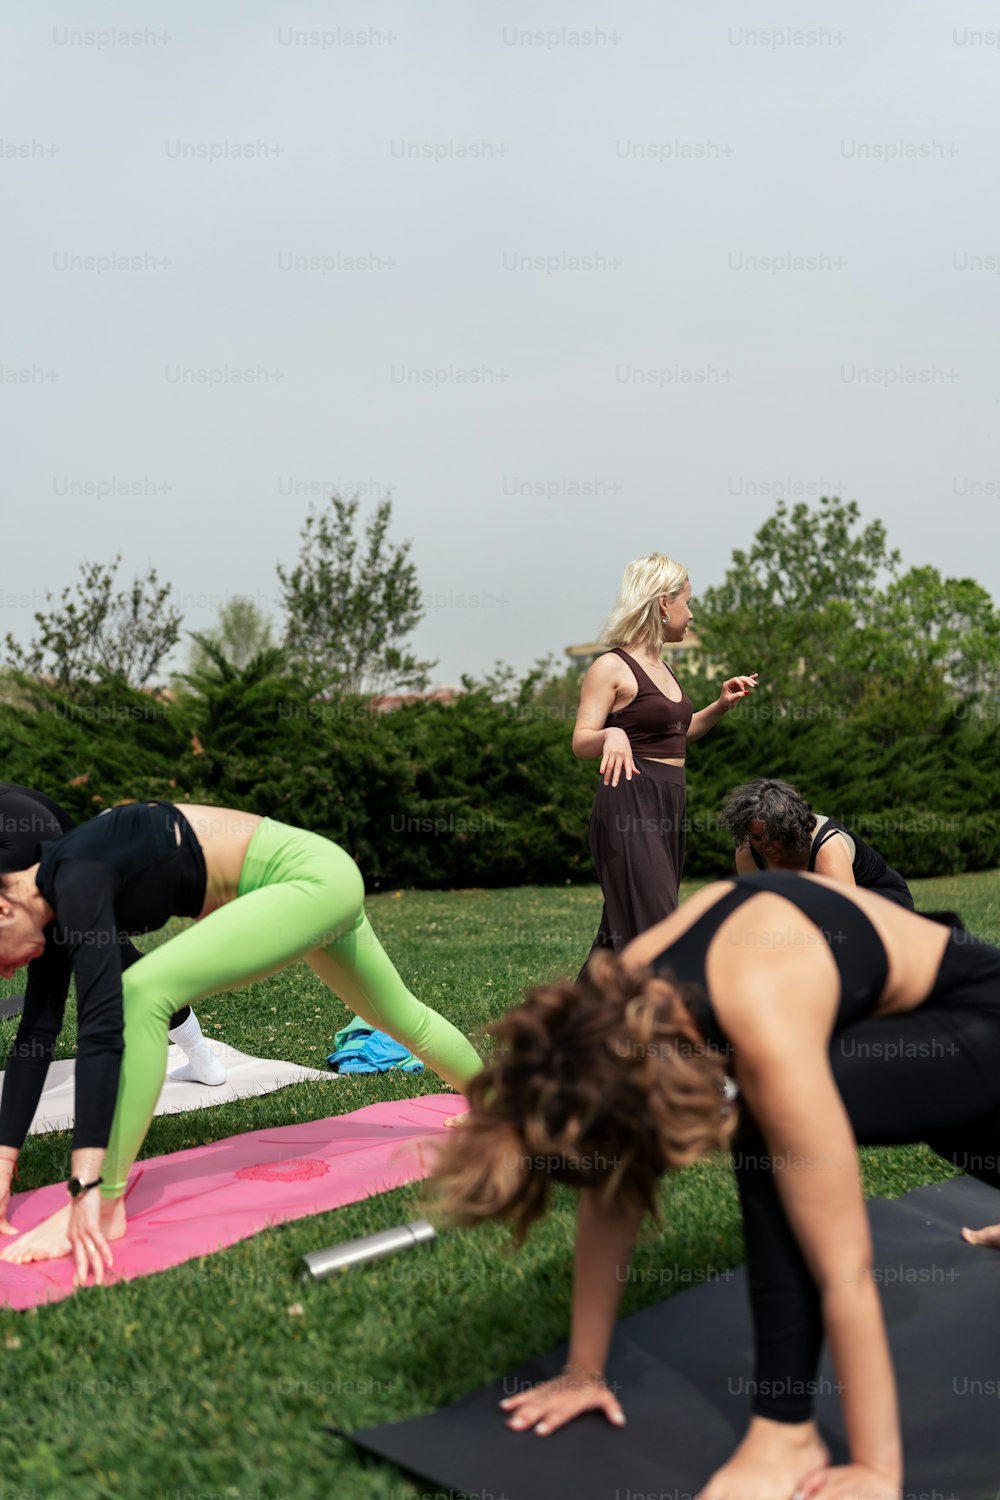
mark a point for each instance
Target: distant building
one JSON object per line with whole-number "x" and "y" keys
{"x": 674, "y": 653}
{"x": 389, "y": 702}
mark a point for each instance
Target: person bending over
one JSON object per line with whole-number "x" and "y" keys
{"x": 775, "y": 828}
{"x": 841, "y": 1018}
{"x": 266, "y": 895}
{"x": 28, "y": 821}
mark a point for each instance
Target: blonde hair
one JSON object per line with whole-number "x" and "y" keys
{"x": 636, "y": 615}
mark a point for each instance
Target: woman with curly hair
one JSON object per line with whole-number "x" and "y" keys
{"x": 635, "y": 715}
{"x": 843, "y": 1019}
{"x": 775, "y": 828}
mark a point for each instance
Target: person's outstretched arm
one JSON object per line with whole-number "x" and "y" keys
{"x": 87, "y": 931}
{"x": 732, "y": 691}
{"x": 27, "y": 1062}
{"x": 786, "y": 1082}
{"x": 605, "y": 1238}
{"x": 833, "y": 859}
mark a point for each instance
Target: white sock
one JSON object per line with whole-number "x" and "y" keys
{"x": 202, "y": 1065}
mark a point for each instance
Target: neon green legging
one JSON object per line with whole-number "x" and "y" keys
{"x": 300, "y": 897}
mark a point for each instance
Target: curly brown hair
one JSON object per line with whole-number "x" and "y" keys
{"x": 606, "y": 1083}
{"x": 781, "y": 807}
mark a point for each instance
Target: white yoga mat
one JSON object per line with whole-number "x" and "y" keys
{"x": 246, "y": 1076}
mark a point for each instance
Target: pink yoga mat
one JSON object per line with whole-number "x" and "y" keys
{"x": 196, "y": 1201}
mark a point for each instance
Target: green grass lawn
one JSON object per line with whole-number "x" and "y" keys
{"x": 216, "y": 1379}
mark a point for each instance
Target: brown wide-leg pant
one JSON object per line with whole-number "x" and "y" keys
{"x": 637, "y": 832}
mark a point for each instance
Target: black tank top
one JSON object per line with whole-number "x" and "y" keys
{"x": 855, "y": 945}
{"x": 656, "y": 726}
{"x": 870, "y": 868}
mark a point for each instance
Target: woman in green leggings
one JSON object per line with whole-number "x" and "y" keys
{"x": 266, "y": 895}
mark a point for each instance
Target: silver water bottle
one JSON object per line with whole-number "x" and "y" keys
{"x": 322, "y": 1263}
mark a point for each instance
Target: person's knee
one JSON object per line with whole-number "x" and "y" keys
{"x": 348, "y": 918}
{"x": 145, "y": 1002}
{"x": 351, "y": 889}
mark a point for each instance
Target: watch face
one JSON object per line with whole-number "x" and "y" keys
{"x": 76, "y": 1186}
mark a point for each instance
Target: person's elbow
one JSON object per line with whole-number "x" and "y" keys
{"x": 841, "y": 1278}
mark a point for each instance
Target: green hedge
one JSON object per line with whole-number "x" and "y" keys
{"x": 486, "y": 792}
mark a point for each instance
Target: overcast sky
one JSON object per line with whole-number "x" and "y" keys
{"x": 526, "y": 267}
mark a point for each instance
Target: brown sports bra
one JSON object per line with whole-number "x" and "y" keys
{"x": 655, "y": 725}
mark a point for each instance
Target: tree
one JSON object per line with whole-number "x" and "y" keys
{"x": 100, "y": 633}
{"x": 925, "y": 627}
{"x": 347, "y": 613}
{"x": 789, "y": 605}
{"x": 241, "y": 632}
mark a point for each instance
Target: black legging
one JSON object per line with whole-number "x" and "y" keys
{"x": 930, "y": 1075}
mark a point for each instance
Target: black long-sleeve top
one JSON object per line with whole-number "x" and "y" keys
{"x": 123, "y": 872}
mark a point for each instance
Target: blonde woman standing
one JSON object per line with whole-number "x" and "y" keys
{"x": 635, "y": 715}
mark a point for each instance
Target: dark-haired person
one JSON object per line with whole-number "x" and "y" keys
{"x": 775, "y": 828}
{"x": 635, "y": 715}
{"x": 28, "y": 821}
{"x": 843, "y": 1019}
{"x": 266, "y": 895}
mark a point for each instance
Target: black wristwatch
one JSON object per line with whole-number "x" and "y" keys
{"x": 76, "y": 1188}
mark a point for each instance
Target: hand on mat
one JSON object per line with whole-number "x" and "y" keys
{"x": 990, "y": 1235}
{"x": 453, "y": 1121}
{"x": 61, "y": 1234}
{"x": 89, "y": 1248}
{"x": 617, "y": 758}
{"x": 549, "y": 1406}
{"x": 849, "y": 1482}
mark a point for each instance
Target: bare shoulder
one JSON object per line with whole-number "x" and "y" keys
{"x": 606, "y": 670}
{"x": 607, "y": 684}
{"x": 771, "y": 974}
{"x": 914, "y": 945}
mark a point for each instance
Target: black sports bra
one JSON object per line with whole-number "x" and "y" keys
{"x": 856, "y": 947}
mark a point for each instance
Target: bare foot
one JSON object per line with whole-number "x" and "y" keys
{"x": 988, "y": 1236}
{"x": 453, "y": 1121}
{"x": 50, "y": 1239}
{"x": 113, "y": 1220}
{"x": 770, "y": 1463}
{"x": 47, "y": 1241}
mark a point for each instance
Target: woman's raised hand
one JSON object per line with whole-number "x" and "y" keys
{"x": 617, "y": 757}
{"x": 735, "y": 688}
{"x": 544, "y": 1408}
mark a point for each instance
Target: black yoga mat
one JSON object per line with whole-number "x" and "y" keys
{"x": 684, "y": 1368}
